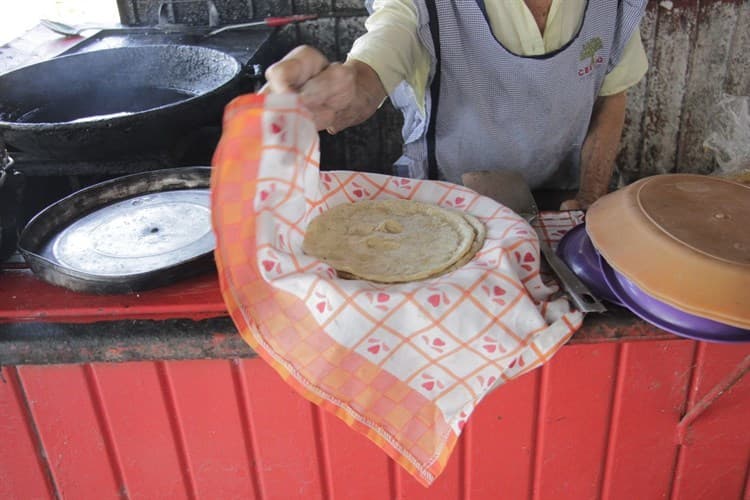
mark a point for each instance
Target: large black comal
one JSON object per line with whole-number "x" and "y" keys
{"x": 114, "y": 102}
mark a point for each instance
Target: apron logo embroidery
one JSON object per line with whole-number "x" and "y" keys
{"x": 589, "y": 52}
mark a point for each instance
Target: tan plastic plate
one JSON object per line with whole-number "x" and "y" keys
{"x": 683, "y": 239}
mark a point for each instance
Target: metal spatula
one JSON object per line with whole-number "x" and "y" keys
{"x": 510, "y": 189}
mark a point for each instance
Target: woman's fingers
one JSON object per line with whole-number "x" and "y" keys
{"x": 322, "y": 116}
{"x": 333, "y": 87}
{"x": 295, "y": 69}
{"x": 328, "y": 95}
{"x": 324, "y": 88}
{"x": 338, "y": 95}
{"x": 572, "y": 205}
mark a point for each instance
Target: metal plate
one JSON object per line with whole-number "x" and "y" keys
{"x": 127, "y": 234}
{"x": 139, "y": 235}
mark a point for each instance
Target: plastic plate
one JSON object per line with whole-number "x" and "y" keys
{"x": 576, "y": 249}
{"x": 667, "y": 317}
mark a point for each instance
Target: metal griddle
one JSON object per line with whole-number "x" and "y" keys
{"x": 125, "y": 235}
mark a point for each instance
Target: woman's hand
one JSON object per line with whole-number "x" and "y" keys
{"x": 338, "y": 95}
{"x": 572, "y": 205}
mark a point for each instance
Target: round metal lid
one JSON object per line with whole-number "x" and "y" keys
{"x": 708, "y": 214}
{"x": 137, "y": 235}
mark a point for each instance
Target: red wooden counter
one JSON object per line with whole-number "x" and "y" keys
{"x": 154, "y": 395}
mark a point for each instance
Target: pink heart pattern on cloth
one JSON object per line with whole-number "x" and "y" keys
{"x": 404, "y": 364}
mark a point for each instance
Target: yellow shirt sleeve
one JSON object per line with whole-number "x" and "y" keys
{"x": 631, "y": 68}
{"x": 391, "y": 46}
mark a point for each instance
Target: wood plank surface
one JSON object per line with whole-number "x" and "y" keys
{"x": 67, "y": 411}
{"x": 713, "y": 460}
{"x": 705, "y": 84}
{"x": 650, "y": 394}
{"x": 24, "y": 471}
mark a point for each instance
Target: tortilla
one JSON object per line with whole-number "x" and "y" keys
{"x": 391, "y": 241}
{"x": 480, "y": 233}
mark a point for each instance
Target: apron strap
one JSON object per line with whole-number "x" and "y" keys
{"x": 432, "y": 166}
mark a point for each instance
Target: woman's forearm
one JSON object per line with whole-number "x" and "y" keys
{"x": 600, "y": 147}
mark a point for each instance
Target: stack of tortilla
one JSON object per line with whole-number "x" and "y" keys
{"x": 393, "y": 241}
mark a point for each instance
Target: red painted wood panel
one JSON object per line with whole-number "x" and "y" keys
{"x": 356, "y": 468}
{"x": 575, "y": 408}
{"x": 22, "y": 471}
{"x": 500, "y": 441}
{"x": 284, "y": 434}
{"x": 650, "y": 394}
{"x": 593, "y": 418}
{"x": 210, "y": 422}
{"x": 67, "y": 414}
{"x": 713, "y": 461}
{"x": 446, "y": 487}
{"x": 135, "y": 407}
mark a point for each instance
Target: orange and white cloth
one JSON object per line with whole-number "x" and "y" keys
{"x": 404, "y": 364}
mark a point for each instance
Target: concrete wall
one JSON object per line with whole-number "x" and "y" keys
{"x": 697, "y": 50}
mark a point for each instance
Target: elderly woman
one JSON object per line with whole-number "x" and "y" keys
{"x": 533, "y": 86}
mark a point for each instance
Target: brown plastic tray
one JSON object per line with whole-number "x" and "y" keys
{"x": 683, "y": 239}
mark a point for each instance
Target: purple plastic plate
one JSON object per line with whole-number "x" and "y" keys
{"x": 577, "y": 251}
{"x": 667, "y": 317}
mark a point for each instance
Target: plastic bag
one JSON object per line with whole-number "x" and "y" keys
{"x": 729, "y": 137}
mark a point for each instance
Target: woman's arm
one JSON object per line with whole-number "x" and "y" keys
{"x": 599, "y": 150}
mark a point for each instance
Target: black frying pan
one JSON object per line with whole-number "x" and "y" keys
{"x": 106, "y": 103}
{"x": 11, "y": 187}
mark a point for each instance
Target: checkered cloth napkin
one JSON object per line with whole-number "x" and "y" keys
{"x": 404, "y": 364}
{"x": 553, "y": 226}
